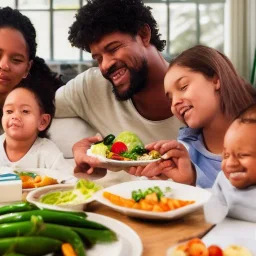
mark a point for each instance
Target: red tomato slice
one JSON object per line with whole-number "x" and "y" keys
{"x": 118, "y": 147}
{"x": 117, "y": 157}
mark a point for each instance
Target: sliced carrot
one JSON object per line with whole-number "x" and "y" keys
{"x": 68, "y": 250}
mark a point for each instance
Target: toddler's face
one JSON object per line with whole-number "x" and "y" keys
{"x": 239, "y": 154}
{"x": 22, "y": 117}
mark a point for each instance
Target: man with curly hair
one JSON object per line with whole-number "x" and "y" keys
{"x": 125, "y": 91}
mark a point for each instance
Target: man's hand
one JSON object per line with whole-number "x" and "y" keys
{"x": 85, "y": 163}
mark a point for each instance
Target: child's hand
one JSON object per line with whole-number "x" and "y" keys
{"x": 176, "y": 164}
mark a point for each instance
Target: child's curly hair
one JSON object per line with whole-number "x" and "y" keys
{"x": 101, "y": 17}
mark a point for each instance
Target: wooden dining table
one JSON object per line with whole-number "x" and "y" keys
{"x": 158, "y": 236}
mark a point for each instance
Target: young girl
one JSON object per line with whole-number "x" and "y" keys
{"x": 206, "y": 94}
{"x": 18, "y": 59}
{"x": 235, "y": 187}
{"x": 27, "y": 114}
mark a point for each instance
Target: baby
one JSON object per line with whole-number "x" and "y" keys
{"x": 235, "y": 186}
{"x": 27, "y": 114}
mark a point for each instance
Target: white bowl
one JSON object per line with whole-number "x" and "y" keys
{"x": 34, "y": 197}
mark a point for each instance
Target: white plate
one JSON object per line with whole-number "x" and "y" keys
{"x": 117, "y": 163}
{"x": 128, "y": 244}
{"x": 179, "y": 191}
{"x": 61, "y": 177}
{"x": 34, "y": 197}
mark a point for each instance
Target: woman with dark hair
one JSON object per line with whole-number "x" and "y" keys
{"x": 206, "y": 94}
{"x": 18, "y": 59}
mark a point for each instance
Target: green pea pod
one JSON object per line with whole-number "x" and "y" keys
{"x": 94, "y": 236}
{"x": 81, "y": 214}
{"x": 36, "y": 227}
{"x": 17, "y": 207}
{"x": 57, "y": 217}
{"x": 30, "y": 246}
{"x": 14, "y": 254}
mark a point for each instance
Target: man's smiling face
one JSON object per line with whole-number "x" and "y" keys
{"x": 121, "y": 61}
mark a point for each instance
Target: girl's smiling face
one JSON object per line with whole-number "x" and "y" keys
{"x": 195, "y": 98}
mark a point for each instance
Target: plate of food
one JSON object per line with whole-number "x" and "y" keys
{"x": 51, "y": 233}
{"x": 124, "y": 150}
{"x": 153, "y": 199}
{"x": 34, "y": 178}
{"x": 221, "y": 246}
{"x": 65, "y": 196}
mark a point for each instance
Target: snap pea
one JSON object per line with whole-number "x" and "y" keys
{"x": 36, "y": 227}
{"x": 30, "y": 246}
{"x": 17, "y": 207}
{"x": 93, "y": 236}
{"x": 57, "y": 217}
{"x": 14, "y": 254}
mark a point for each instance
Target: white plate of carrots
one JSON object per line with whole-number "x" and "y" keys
{"x": 182, "y": 200}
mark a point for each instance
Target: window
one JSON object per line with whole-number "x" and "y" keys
{"x": 182, "y": 23}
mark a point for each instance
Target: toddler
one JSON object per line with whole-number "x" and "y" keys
{"x": 27, "y": 114}
{"x": 235, "y": 186}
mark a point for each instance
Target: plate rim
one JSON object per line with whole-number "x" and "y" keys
{"x": 137, "y": 238}
{"x": 121, "y": 163}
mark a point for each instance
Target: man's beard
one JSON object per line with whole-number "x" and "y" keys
{"x": 138, "y": 82}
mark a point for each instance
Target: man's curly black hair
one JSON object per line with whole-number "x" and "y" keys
{"x": 101, "y": 17}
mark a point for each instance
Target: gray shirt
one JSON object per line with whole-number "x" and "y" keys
{"x": 241, "y": 203}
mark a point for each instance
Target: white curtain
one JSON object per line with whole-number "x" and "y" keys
{"x": 240, "y": 36}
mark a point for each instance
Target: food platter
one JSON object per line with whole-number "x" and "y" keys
{"x": 179, "y": 191}
{"x": 121, "y": 164}
{"x": 61, "y": 177}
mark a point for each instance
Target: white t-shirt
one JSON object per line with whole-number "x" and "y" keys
{"x": 43, "y": 154}
{"x": 89, "y": 96}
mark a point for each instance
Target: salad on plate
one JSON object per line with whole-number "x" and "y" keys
{"x": 125, "y": 147}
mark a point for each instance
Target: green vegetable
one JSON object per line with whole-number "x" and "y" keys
{"x": 137, "y": 195}
{"x": 109, "y": 139}
{"x": 132, "y": 156}
{"x": 94, "y": 236}
{"x": 31, "y": 174}
{"x": 17, "y": 207}
{"x": 99, "y": 149}
{"x": 50, "y": 216}
{"x": 83, "y": 190}
{"x": 14, "y": 254}
{"x": 130, "y": 139}
{"x": 139, "y": 150}
{"x": 30, "y": 246}
{"x": 36, "y": 227}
